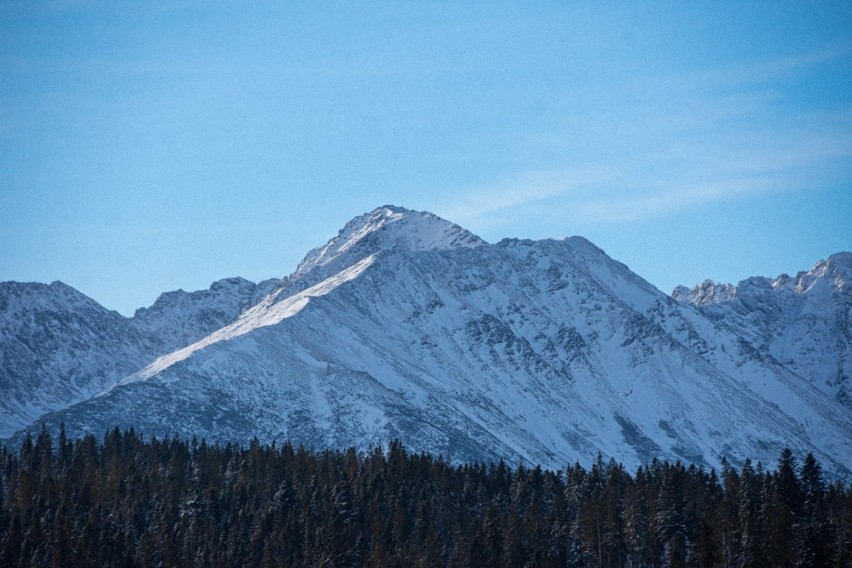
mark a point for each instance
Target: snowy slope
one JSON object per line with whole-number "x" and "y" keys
{"x": 59, "y": 347}
{"x": 179, "y": 318}
{"x": 408, "y": 326}
{"x": 803, "y": 322}
{"x": 385, "y": 228}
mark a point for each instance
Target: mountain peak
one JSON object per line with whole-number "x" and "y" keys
{"x": 708, "y": 292}
{"x": 384, "y": 228}
{"x": 843, "y": 257}
{"x": 837, "y": 267}
{"x": 836, "y": 271}
{"x": 841, "y": 262}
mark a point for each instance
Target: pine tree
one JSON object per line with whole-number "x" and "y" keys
{"x": 817, "y": 531}
{"x": 130, "y": 502}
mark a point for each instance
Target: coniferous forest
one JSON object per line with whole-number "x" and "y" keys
{"x": 127, "y": 501}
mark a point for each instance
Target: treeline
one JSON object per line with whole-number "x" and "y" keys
{"x": 127, "y": 501}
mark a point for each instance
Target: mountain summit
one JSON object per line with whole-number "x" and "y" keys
{"x": 386, "y": 228}
{"x": 407, "y": 326}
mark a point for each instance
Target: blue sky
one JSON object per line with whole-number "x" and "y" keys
{"x": 146, "y": 147}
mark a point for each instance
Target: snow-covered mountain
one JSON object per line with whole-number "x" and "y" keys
{"x": 384, "y": 228}
{"x": 803, "y": 321}
{"x": 408, "y": 326}
{"x": 59, "y": 347}
{"x": 179, "y": 318}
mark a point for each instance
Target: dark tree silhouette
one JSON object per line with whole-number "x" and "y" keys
{"x": 125, "y": 501}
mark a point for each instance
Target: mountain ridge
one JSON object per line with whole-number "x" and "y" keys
{"x": 801, "y": 321}
{"x": 538, "y": 351}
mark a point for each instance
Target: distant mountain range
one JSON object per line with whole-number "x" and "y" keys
{"x": 408, "y": 326}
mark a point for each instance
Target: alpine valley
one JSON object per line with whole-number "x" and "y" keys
{"x": 408, "y": 326}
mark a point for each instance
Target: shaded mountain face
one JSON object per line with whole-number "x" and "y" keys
{"x": 407, "y": 326}
{"x": 801, "y": 321}
{"x": 59, "y": 347}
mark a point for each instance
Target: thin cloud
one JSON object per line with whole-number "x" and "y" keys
{"x": 666, "y": 200}
{"x": 755, "y": 72}
{"x": 639, "y": 189}
{"x": 475, "y": 204}
{"x": 657, "y": 148}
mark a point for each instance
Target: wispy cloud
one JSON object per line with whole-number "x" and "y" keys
{"x": 663, "y": 199}
{"x": 663, "y": 146}
{"x": 473, "y": 204}
{"x": 754, "y": 72}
